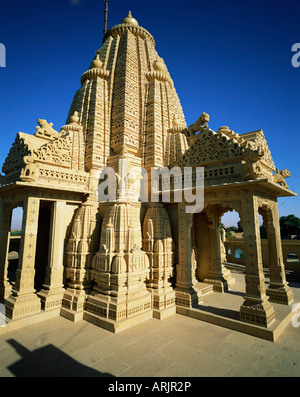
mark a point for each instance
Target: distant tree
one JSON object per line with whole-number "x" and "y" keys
{"x": 289, "y": 225}
{"x": 16, "y": 233}
{"x": 240, "y": 229}
{"x": 263, "y": 232}
{"x": 229, "y": 233}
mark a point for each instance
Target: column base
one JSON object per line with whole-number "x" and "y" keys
{"x": 220, "y": 282}
{"x": 163, "y": 303}
{"x": 118, "y": 308}
{"x": 51, "y": 298}
{"x": 280, "y": 294}
{"x": 73, "y": 304}
{"x": 5, "y": 291}
{"x": 22, "y": 305}
{"x": 188, "y": 297}
{"x": 117, "y": 326}
{"x": 257, "y": 311}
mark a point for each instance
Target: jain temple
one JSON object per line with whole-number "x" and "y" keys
{"x": 118, "y": 262}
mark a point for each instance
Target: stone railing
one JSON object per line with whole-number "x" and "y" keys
{"x": 290, "y": 250}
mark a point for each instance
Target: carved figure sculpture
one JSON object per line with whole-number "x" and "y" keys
{"x": 280, "y": 176}
{"x": 200, "y": 125}
{"x": 45, "y": 130}
{"x": 30, "y": 172}
{"x": 253, "y": 168}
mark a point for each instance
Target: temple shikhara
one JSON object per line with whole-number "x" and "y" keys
{"x": 116, "y": 263}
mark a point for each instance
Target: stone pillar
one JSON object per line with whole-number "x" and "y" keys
{"x": 256, "y": 308}
{"x": 218, "y": 275}
{"x": 23, "y": 300}
{"x": 81, "y": 248}
{"x": 158, "y": 244}
{"x": 278, "y": 290}
{"x": 186, "y": 293}
{"x": 52, "y": 291}
{"x": 5, "y": 222}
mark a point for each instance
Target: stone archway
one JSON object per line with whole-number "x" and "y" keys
{"x": 207, "y": 239}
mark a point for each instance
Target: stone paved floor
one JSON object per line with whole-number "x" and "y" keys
{"x": 175, "y": 347}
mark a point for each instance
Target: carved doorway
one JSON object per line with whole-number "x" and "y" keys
{"x": 202, "y": 242}
{"x": 14, "y": 243}
{"x": 43, "y": 244}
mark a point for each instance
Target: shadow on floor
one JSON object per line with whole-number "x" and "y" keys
{"x": 227, "y": 313}
{"x": 238, "y": 293}
{"x": 49, "y": 361}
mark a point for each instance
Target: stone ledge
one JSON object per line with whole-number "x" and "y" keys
{"x": 13, "y": 325}
{"x": 117, "y": 326}
{"x": 272, "y": 333}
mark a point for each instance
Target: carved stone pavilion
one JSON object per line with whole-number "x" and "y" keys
{"x": 118, "y": 263}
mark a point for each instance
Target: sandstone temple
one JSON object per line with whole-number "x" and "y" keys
{"x": 118, "y": 262}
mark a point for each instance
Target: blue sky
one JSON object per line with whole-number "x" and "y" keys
{"x": 231, "y": 59}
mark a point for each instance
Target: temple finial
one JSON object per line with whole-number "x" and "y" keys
{"x": 129, "y": 19}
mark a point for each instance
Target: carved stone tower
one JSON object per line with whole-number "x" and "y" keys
{"x": 127, "y": 104}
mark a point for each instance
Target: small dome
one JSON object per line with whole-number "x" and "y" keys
{"x": 75, "y": 118}
{"x": 175, "y": 121}
{"x": 158, "y": 65}
{"x": 130, "y": 19}
{"x": 96, "y": 63}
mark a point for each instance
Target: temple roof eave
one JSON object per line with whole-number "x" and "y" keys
{"x": 120, "y": 29}
{"x": 19, "y": 185}
{"x": 264, "y": 184}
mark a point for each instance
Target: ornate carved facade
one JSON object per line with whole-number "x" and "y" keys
{"x": 116, "y": 263}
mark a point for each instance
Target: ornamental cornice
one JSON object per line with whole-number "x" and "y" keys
{"x": 159, "y": 75}
{"x": 94, "y": 73}
{"x": 176, "y": 129}
{"x": 137, "y": 31}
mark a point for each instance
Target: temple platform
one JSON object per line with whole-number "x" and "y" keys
{"x": 223, "y": 309}
{"x": 178, "y": 346}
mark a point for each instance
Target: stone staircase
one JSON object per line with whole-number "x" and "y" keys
{"x": 204, "y": 288}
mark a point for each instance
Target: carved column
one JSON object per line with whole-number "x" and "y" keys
{"x": 52, "y": 292}
{"x": 5, "y": 222}
{"x": 278, "y": 290}
{"x": 81, "y": 248}
{"x": 218, "y": 275}
{"x": 23, "y": 300}
{"x": 186, "y": 294}
{"x": 158, "y": 244}
{"x": 256, "y": 308}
